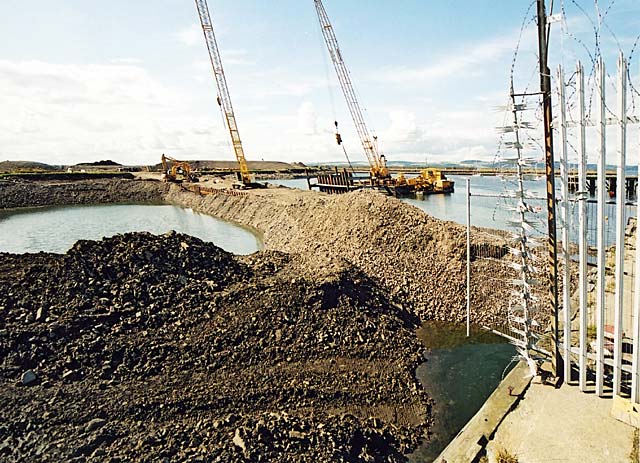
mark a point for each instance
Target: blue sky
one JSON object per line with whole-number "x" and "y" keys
{"x": 88, "y": 80}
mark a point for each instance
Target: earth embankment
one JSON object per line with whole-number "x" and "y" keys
{"x": 18, "y": 193}
{"x": 143, "y": 348}
{"x": 418, "y": 259}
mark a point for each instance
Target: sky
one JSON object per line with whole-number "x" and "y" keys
{"x": 85, "y": 80}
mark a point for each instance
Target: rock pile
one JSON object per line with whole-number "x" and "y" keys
{"x": 21, "y": 193}
{"x": 140, "y": 348}
{"x": 418, "y": 259}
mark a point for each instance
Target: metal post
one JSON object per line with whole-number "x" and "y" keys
{"x": 620, "y": 225}
{"x": 582, "y": 238}
{"x": 566, "y": 282}
{"x": 635, "y": 367}
{"x": 601, "y": 188}
{"x": 545, "y": 89}
{"x": 468, "y": 181}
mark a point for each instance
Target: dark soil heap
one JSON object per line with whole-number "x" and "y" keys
{"x": 146, "y": 348}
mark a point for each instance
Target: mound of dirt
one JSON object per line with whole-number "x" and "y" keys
{"x": 103, "y": 163}
{"x": 25, "y": 166}
{"x": 16, "y": 192}
{"x": 143, "y": 347}
{"x": 419, "y": 260}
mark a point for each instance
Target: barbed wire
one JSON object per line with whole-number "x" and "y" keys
{"x": 600, "y": 27}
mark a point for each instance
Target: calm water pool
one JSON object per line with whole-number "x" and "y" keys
{"x": 460, "y": 373}
{"x": 56, "y": 229}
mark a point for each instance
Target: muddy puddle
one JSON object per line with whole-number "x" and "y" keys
{"x": 459, "y": 373}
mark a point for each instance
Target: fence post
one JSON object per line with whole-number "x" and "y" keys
{"x": 620, "y": 225}
{"x": 468, "y": 182}
{"x": 602, "y": 173}
{"x": 566, "y": 263}
{"x": 582, "y": 223}
{"x": 635, "y": 366}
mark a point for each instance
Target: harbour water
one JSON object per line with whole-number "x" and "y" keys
{"x": 490, "y": 210}
{"x": 55, "y": 229}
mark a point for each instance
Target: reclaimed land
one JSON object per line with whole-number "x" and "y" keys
{"x": 143, "y": 347}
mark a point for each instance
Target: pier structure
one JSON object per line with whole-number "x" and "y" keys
{"x": 611, "y": 184}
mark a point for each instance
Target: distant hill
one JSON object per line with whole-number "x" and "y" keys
{"x": 26, "y": 166}
{"x": 105, "y": 163}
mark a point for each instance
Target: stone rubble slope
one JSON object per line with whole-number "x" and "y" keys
{"x": 418, "y": 259}
{"x": 146, "y": 348}
{"x": 21, "y": 193}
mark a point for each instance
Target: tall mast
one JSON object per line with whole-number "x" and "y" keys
{"x": 376, "y": 160}
{"x": 224, "y": 99}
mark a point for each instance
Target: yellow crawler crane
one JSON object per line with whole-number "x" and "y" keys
{"x": 378, "y": 164}
{"x": 224, "y": 98}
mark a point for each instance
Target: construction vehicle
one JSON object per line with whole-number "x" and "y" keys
{"x": 245, "y": 179}
{"x": 176, "y": 171}
{"x": 377, "y": 162}
{"x": 428, "y": 181}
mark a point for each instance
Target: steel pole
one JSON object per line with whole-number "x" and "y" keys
{"x": 566, "y": 263}
{"x": 545, "y": 89}
{"x": 602, "y": 190}
{"x": 620, "y": 225}
{"x": 468, "y": 182}
{"x": 635, "y": 366}
{"x": 582, "y": 238}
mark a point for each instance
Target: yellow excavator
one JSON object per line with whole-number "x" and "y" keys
{"x": 176, "y": 171}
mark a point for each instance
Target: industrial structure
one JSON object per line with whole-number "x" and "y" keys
{"x": 428, "y": 181}
{"x": 377, "y": 162}
{"x": 224, "y": 99}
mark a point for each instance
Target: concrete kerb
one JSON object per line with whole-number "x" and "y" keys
{"x": 470, "y": 443}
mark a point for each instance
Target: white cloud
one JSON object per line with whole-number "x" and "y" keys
{"x": 191, "y": 36}
{"x": 125, "y": 61}
{"x": 69, "y": 113}
{"x": 475, "y": 58}
{"x": 307, "y": 119}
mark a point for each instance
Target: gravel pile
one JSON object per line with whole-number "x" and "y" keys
{"x": 140, "y": 348}
{"x": 418, "y": 259}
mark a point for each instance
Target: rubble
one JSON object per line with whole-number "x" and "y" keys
{"x": 303, "y": 352}
{"x": 418, "y": 259}
{"x": 28, "y": 377}
{"x": 16, "y": 193}
{"x": 166, "y": 347}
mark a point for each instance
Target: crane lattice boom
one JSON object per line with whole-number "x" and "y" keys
{"x": 376, "y": 161}
{"x": 224, "y": 99}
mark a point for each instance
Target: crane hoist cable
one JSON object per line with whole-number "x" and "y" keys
{"x": 339, "y": 141}
{"x": 331, "y": 98}
{"x": 377, "y": 161}
{"x": 224, "y": 99}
